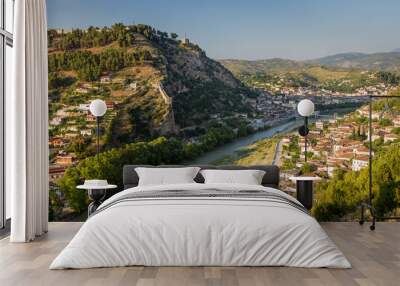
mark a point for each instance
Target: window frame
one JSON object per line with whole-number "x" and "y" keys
{"x": 6, "y": 39}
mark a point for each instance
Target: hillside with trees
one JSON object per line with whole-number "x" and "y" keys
{"x": 166, "y": 102}
{"x": 160, "y": 84}
{"x": 340, "y": 197}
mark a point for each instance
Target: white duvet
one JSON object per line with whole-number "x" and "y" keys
{"x": 202, "y": 232}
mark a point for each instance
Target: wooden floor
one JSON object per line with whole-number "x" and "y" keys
{"x": 375, "y": 257}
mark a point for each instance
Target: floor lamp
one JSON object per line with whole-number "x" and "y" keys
{"x": 368, "y": 204}
{"x": 98, "y": 108}
{"x": 96, "y": 188}
{"x": 305, "y": 108}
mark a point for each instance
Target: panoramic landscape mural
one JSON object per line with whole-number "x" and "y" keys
{"x": 170, "y": 102}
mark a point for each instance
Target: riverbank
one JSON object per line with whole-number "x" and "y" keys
{"x": 260, "y": 153}
{"x": 228, "y": 152}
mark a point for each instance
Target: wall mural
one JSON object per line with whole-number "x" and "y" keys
{"x": 169, "y": 103}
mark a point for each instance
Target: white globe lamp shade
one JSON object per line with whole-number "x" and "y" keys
{"x": 305, "y": 107}
{"x": 98, "y": 107}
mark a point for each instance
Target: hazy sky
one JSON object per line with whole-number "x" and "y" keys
{"x": 251, "y": 29}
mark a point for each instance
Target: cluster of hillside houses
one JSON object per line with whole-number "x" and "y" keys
{"x": 343, "y": 144}
{"x": 282, "y": 88}
{"x": 72, "y": 121}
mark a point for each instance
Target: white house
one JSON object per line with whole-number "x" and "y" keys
{"x": 86, "y": 132}
{"x": 56, "y": 121}
{"x": 319, "y": 124}
{"x": 84, "y": 106}
{"x": 359, "y": 163}
{"x": 105, "y": 79}
{"x": 82, "y": 90}
{"x": 390, "y": 137}
{"x": 133, "y": 85}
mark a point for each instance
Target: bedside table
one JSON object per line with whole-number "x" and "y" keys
{"x": 304, "y": 190}
{"x": 96, "y": 194}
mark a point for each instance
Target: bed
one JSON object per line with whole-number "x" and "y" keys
{"x": 198, "y": 224}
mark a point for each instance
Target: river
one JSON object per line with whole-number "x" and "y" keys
{"x": 230, "y": 148}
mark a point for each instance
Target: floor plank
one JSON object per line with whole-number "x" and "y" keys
{"x": 375, "y": 257}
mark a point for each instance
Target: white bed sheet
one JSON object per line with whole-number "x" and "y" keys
{"x": 200, "y": 232}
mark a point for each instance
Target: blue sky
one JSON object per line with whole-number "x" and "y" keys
{"x": 251, "y": 29}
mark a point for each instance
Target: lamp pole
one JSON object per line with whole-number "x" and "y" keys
{"x": 98, "y": 108}
{"x": 304, "y": 184}
{"x": 98, "y": 134}
{"x": 368, "y": 203}
{"x": 370, "y": 152}
{"x": 305, "y": 108}
{"x": 305, "y": 138}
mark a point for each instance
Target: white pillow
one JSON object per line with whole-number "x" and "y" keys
{"x": 247, "y": 177}
{"x": 166, "y": 176}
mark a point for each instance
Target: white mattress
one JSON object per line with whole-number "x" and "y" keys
{"x": 200, "y": 232}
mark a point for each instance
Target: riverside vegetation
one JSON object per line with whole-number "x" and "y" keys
{"x": 109, "y": 164}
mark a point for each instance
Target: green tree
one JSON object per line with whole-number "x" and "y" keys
{"x": 341, "y": 195}
{"x": 385, "y": 122}
{"x": 396, "y": 130}
{"x": 307, "y": 168}
{"x": 109, "y": 164}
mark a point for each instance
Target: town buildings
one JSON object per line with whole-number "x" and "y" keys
{"x": 341, "y": 143}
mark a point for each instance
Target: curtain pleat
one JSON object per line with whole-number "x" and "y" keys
{"x": 28, "y": 158}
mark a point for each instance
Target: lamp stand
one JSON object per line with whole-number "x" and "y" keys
{"x": 305, "y": 138}
{"x": 368, "y": 204}
{"x": 98, "y": 134}
{"x": 303, "y": 131}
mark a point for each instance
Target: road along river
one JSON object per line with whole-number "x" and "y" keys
{"x": 230, "y": 148}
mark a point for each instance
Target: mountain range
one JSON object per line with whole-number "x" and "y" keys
{"x": 386, "y": 61}
{"x": 389, "y": 61}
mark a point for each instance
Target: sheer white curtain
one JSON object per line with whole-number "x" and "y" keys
{"x": 27, "y": 124}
